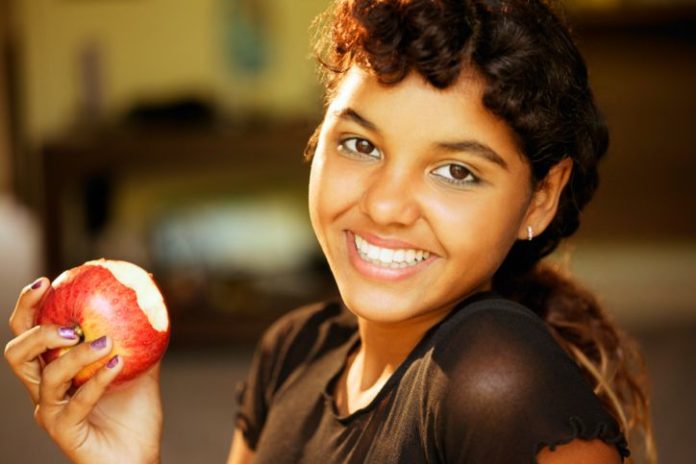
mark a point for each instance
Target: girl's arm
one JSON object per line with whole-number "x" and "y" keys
{"x": 240, "y": 453}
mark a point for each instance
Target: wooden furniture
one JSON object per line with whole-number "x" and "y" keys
{"x": 90, "y": 180}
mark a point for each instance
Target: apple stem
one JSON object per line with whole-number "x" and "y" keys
{"x": 79, "y": 332}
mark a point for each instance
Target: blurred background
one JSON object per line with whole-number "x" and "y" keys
{"x": 170, "y": 133}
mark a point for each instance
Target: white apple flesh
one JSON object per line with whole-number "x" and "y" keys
{"x": 113, "y": 298}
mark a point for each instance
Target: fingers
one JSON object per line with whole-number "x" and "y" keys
{"x": 24, "y": 314}
{"x": 57, "y": 379}
{"x": 87, "y": 396}
{"x": 58, "y": 375}
{"x": 22, "y": 353}
{"x": 31, "y": 343}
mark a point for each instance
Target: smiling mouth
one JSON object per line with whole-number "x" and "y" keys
{"x": 389, "y": 258}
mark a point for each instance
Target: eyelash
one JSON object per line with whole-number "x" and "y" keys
{"x": 470, "y": 178}
{"x": 343, "y": 147}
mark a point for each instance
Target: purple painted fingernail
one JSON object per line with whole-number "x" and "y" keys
{"x": 99, "y": 343}
{"x": 67, "y": 332}
{"x": 112, "y": 362}
{"x": 36, "y": 285}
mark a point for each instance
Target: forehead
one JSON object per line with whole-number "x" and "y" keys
{"x": 361, "y": 87}
{"x": 416, "y": 112}
{"x": 356, "y": 82}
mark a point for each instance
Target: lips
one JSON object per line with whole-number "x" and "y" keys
{"x": 391, "y": 260}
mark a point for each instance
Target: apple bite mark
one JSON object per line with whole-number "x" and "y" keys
{"x": 150, "y": 300}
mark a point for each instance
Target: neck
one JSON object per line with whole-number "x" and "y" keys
{"x": 385, "y": 345}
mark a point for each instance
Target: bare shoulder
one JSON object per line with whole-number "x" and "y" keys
{"x": 580, "y": 452}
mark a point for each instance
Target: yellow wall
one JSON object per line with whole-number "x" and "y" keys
{"x": 4, "y": 116}
{"x": 161, "y": 47}
{"x": 155, "y": 48}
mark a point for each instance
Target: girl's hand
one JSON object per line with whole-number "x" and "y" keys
{"x": 89, "y": 425}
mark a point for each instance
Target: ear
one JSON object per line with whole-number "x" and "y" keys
{"x": 544, "y": 202}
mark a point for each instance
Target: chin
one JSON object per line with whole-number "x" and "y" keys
{"x": 393, "y": 305}
{"x": 382, "y": 306}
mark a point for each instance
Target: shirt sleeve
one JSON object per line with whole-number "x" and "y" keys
{"x": 254, "y": 395}
{"x": 508, "y": 390}
{"x": 283, "y": 349}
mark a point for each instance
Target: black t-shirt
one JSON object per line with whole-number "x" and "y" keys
{"x": 486, "y": 385}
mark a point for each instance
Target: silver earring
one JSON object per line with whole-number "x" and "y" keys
{"x": 530, "y": 233}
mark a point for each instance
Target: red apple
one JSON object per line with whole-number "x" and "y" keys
{"x": 113, "y": 298}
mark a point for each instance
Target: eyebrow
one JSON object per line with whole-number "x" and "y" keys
{"x": 351, "y": 115}
{"x": 475, "y": 148}
{"x": 469, "y": 146}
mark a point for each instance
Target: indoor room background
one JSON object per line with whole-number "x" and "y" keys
{"x": 171, "y": 133}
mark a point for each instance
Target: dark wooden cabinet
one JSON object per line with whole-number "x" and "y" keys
{"x": 107, "y": 192}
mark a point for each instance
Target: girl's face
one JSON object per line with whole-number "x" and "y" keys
{"x": 416, "y": 195}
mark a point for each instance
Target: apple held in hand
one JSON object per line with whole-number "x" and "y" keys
{"x": 113, "y": 298}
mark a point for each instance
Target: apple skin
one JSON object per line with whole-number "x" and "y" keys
{"x": 91, "y": 299}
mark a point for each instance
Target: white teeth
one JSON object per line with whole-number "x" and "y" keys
{"x": 386, "y": 255}
{"x": 399, "y": 255}
{"x": 389, "y": 257}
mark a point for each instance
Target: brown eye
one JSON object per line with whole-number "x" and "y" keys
{"x": 458, "y": 171}
{"x": 364, "y": 146}
{"x": 456, "y": 174}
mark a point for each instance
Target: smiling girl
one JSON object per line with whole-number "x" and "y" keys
{"x": 460, "y": 143}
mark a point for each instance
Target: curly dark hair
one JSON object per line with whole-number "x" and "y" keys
{"x": 537, "y": 82}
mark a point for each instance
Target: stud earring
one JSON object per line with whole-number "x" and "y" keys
{"x": 530, "y": 233}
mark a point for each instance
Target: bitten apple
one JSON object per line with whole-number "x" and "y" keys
{"x": 113, "y": 298}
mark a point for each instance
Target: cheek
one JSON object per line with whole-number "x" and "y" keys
{"x": 316, "y": 193}
{"x": 332, "y": 189}
{"x": 481, "y": 227}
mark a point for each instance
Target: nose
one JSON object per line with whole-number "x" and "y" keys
{"x": 390, "y": 198}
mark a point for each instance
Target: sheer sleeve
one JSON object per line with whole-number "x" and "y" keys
{"x": 283, "y": 349}
{"x": 509, "y": 390}
{"x": 255, "y": 393}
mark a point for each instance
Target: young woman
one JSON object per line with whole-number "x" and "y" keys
{"x": 459, "y": 145}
